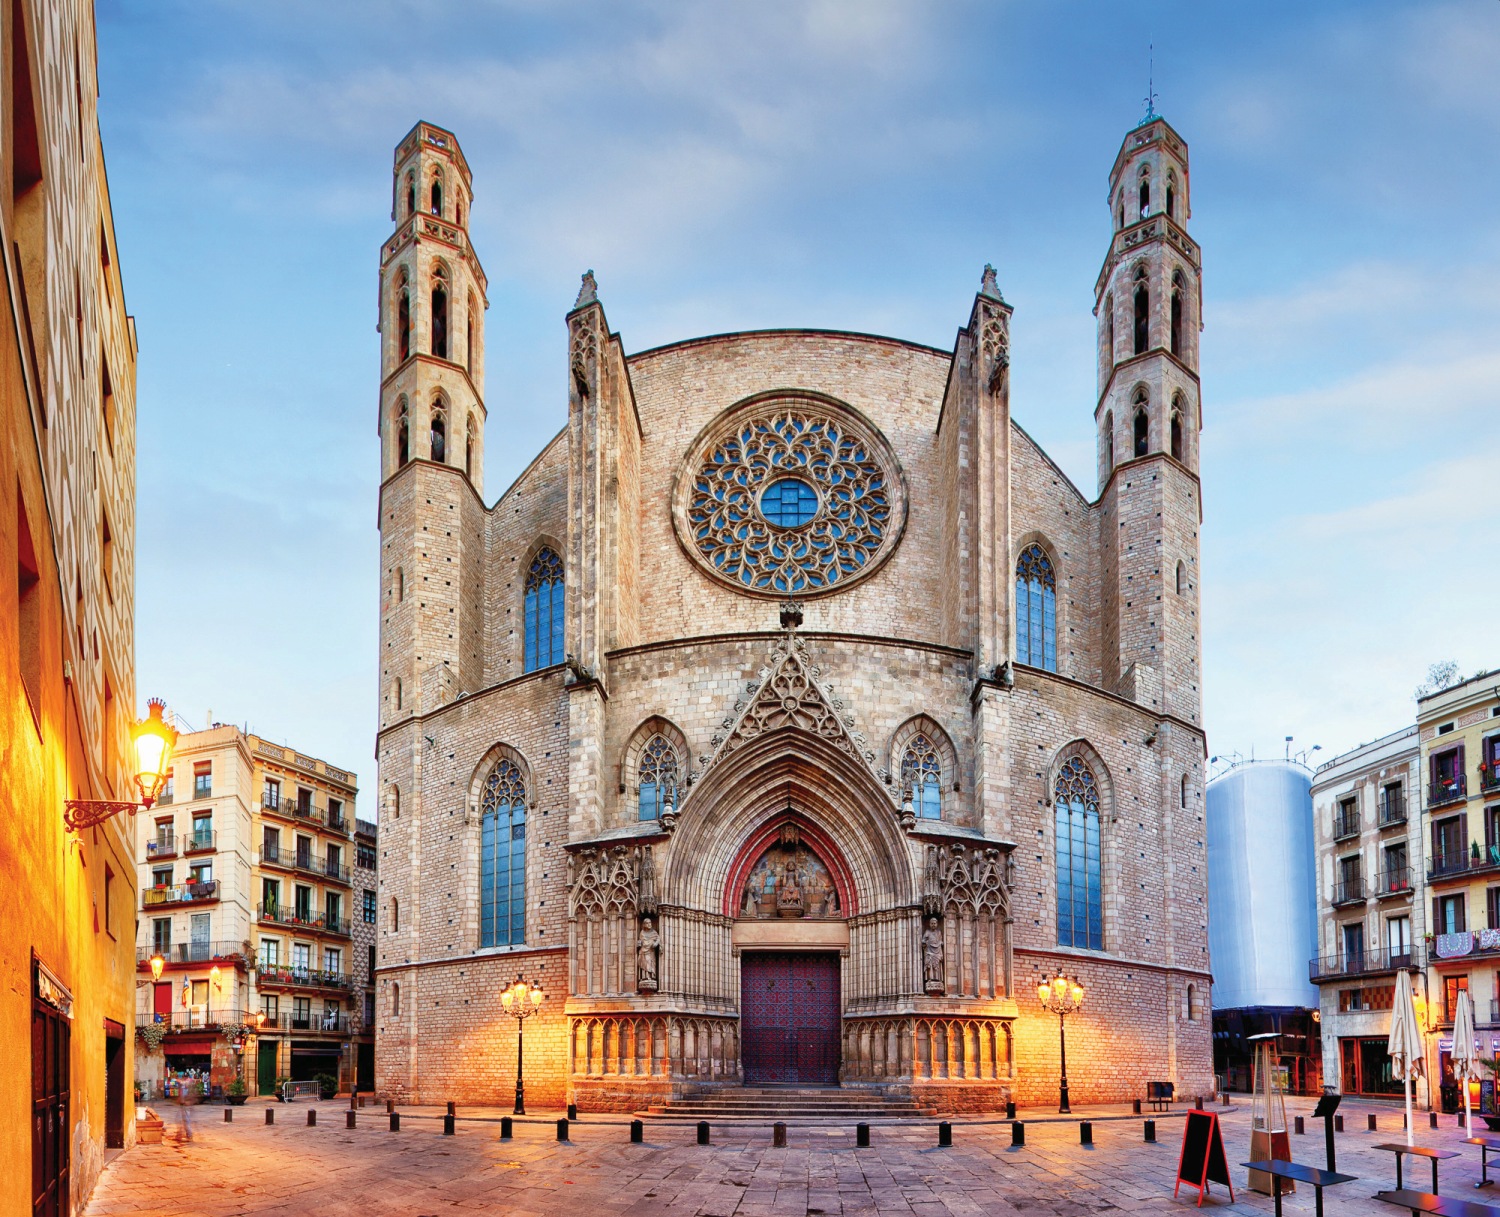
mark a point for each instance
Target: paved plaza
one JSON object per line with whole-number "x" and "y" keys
{"x": 209, "y": 1168}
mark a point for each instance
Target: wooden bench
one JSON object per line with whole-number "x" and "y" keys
{"x": 1159, "y": 1095}
{"x": 1443, "y": 1206}
{"x": 1279, "y": 1169}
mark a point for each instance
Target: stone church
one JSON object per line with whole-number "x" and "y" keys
{"x": 792, "y": 715}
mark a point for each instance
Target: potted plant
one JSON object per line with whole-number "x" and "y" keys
{"x": 234, "y": 1093}
{"x": 152, "y": 1035}
{"x": 328, "y": 1085}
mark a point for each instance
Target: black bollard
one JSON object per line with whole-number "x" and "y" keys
{"x": 447, "y": 1126}
{"x": 1085, "y": 1133}
{"x": 229, "y": 1115}
{"x": 1151, "y": 1130}
{"x": 1301, "y": 1128}
{"x": 637, "y": 1132}
{"x": 452, "y": 1108}
{"x": 1338, "y": 1123}
{"x": 945, "y": 1134}
{"x": 1135, "y": 1107}
{"x": 1018, "y": 1133}
{"x": 1010, "y": 1111}
{"x": 862, "y": 1136}
{"x": 395, "y": 1121}
{"x": 390, "y": 1106}
{"x": 1371, "y": 1118}
{"x": 312, "y": 1117}
{"x": 505, "y": 1128}
{"x": 1198, "y": 1102}
{"x": 270, "y": 1115}
{"x": 572, "y": 1111}
{"x": 355, "y": 1100}
{"x": 778, "y": 1135}
{"x": 1460, "y": 1118}
{"x": 702, "y": 1132}
{"x": 1432, "y": 1119}
{"x": 349, "y": 1118}
{"x": 562, "y": 1129}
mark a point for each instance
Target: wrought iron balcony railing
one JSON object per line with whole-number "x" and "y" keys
{"x": 195, "y": 952}
{"x": 1449, "y": 790}
{"x": 1395, "y": 881}
{"x": 194, "y": 1018}
{"x": 181, "y": 893}
{"x": 201, "y": 842}
{"x": 163, "y": 845}
{"x": 1349, "y": 890}
{"x": 306, "y": 978}
{"x": 1391, "y": 810}
{"x": 1345, "y": 823}
{"x": 1360, "y": 963}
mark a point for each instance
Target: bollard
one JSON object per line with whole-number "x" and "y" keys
{"x": 637, "y": 1132}
{"x": 312, "y": 1117}
{"x": 1135, "y": 1107}
{"x": 702, "y": 1132}
{"x": 505, "y": 1128}
{"x": 572, "y": 1111}
{"x": 395, "y": 1121}
{"x": 447, "y": 1126}
{"x": 778, "y": 1135}
{"x": 349, "y": 1118}
{"x": 1432, "y": 1119}
{"x": 562, "y": 1129}
{"x": 361, "y": 1100}
{"x": 1371, "y": 1119}
{"x": 390, "y": 1106}
{"x": 1085, "y": 1133}
{"x": 1460, "y": 1118}
{"x": 1198, "y": 1102}
{"x": 270, "y": 1115}
{"x": 355, "y": 1100}
{"x": 1301, "y": 1128}
{"x": 862, "y": 1136}
{"x": 229, "y": 1115}
{"x": 452, "y": 1108}
{"x": 1338, "y": 1123}
{"x": 1010, "y": 1110}
{"x": 1018, "y": 1133}
{"x": 1151, "y": 1131}
{"x": 945, "y": 1134}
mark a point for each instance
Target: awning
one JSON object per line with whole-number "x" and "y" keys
{"x": 189, "y": 1046}
{"x": 332, "y": 1050}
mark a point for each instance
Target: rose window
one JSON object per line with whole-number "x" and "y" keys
{"x": 790, "y": 497}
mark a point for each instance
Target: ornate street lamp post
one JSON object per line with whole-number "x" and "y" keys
{"x": 522, "y": 1001}
{"x": 154, "y": 741}
{"x": 1062, "y": 997}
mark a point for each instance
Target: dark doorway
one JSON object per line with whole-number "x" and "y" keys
{"x": 365, "y": 1067}
{"x": 50, "y": 1123}
{"x": 789, "y": 1017}
{"x": 114, "y": 1085}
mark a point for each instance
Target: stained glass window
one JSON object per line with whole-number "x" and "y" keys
{"x": 1036, "y": 609}
{"x": 544, "y": 611}
{"x": 922, "y": 777}
{"x": 789, "y": 502}
{"x": 658, "y": 777}
{"x": 1075, "y": 798}
{"x": 502, "y": 856}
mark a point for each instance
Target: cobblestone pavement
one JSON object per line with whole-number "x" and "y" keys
{"x": 206, "y": 1167}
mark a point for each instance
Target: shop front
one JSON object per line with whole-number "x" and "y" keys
{"x": 1365, "y": 1067}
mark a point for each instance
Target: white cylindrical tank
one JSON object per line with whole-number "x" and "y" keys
{"x": 1262, "y": 887}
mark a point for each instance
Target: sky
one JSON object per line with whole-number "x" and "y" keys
{"x": 840, "y": 164}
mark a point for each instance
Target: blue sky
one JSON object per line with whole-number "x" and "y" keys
{"x": 846, "y": 164}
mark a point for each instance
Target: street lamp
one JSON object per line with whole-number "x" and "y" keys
{"x": 154, "y": 741}
{"x": 522, "y": 1001}
{"x": 157, "y": 964}
{"x": 1062, "y": 997}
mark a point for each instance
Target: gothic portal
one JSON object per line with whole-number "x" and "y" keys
{"x": 792, "y": 714}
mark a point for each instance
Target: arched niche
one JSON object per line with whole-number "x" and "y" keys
{"x": 790, "y": 869}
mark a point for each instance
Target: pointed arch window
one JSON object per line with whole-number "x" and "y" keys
{"x": 471, "y": 433}
{"x": 440, "y": 315}
{"x": 1145, "y": 196}
{"x": 1036, "y": 609}
{"x": 1080, "y": 871}
{"x": 437, "y": 196}
{"x": 544, "y": 611}
{"x": 411, "y": 194}
{"x": 1109, "y": 327}
{"x": 439, "y": 434}
{"x": 1176, "y": 434}
{"x": 502, "y": 856}
{"x": 403, "y": 435}
{"x": 1177, "y": 286}
{"x": 1181, "y": 587}
{"x": 922, "y": 777}
{"x": 1141, "y": 434}
{"x": 1171, "y": 194}
{"x": 657, "y": 775}
{"x": 1109, "y": 439}
{"x": 403, "y": 325}
{"x": 469, "y": 336}
{"x": 1142, "y": 334}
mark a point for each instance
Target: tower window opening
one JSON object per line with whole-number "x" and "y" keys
{"x": 1145, "y": 197}
{"x": 1142, "y": 431}
{"x": 1176, "y": 435}
{"x": 544, "y": 611}
{"x": 439, "y": 443}
{"x": 397, "y": 693}
{"x": 1177, "y": 323}
{"x": 395, "y": 995}
{"x": 1181, "y": 587}
{"x": 1182, "y": 791}
{"x": 437, "y": 197}
{"x": 400, "y": 584}
{"x": 1109, "y": 439}
{"x": 1036, "y": 609}
{"x": 395, "y": 926}
{"x": 1142, "y": 315}
{"x": 1171, "y": 200}
{"x": 1109, "y": 327}
{"x": 411, "y": 195}
{"x": 403, "y": 436}
{"x": 440, "y": 320}
{"x": 403, "y": 325}
{"x": 458, "y": 212}
{"x": 470, "y": 435}
{"x": 469, "y": 340}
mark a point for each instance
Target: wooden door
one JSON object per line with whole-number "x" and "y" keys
{"x": 50, "y": 1123}
{"x": 265, "y": 1061}
{"x": 789, "y": 1017}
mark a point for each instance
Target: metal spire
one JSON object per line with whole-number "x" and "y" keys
{"x": 1151, "y": 98}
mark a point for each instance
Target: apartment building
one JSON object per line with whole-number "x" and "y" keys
{"x": 246, "y": 897}
{"x": 1460, "y": 744}
{"x": 1368, "y": 837}
{"x": 365, "y": 932}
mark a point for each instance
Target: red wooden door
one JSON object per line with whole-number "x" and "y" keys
{"x": 161, "y": 1001}
{"x": 789, "y": 1017}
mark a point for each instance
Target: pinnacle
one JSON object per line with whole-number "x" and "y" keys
{"x": 987, "y": 285}
{"x": 588, "y": 291}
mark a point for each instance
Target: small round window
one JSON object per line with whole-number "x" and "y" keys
{"x": 789, "y": 502}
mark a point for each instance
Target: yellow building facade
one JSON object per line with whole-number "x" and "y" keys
{"x": 67, "y": 647}
{"x": 1460, "y": 738}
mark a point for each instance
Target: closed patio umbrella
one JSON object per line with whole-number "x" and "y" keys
{"x": 1405, "y": 1048}
{"x": 1465, "y": 1066}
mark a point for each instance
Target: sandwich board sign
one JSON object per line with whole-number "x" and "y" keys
{"x": 1202, "y": 1161}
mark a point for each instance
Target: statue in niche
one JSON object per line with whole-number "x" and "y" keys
{"x": 646, "y": 949}
{"x": 789, "y": 881}
{"x": 932, "y": 957}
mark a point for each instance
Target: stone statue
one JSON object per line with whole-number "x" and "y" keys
{"x": 647, "y": 946}
{"x": 932, "y": 957}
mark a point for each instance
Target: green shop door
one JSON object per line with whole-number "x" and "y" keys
{"x": 266, "y": 1065}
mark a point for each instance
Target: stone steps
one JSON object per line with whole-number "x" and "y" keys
{"x": 774, "y": 1103}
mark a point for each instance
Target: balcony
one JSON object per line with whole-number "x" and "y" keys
{"x": 162, "y": 846}
{"x": 1345, "y": 823}
{"x": 192, "y": 1019}
{"x": 1350, "y": 891}
{"x": 337, "y": 1024}
{"x": 1449, "y": 790}
{"x": 180, "y": 893}
{"x": 1391, "y": 811}
{"x": 201, "y": 843}
{"x": 302, "y": 978}
{"x": 1393, "y": 882}
{"x": 1461, "y": 864}
{"x": 178, "y": 953}
{"x": 1489, "y": 777}
{"x": 1462, "y": 946}
{"x": 318, "y": 923}
{"x": 1363, "y": 963}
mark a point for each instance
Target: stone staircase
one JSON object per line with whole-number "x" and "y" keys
{"x": 766, "y": 1104}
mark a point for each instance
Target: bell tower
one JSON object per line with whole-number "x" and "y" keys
{"x": 1147, "y": 418}
{"x": 431, "y": 425}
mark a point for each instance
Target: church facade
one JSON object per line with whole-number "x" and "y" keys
{"x": 792, "y": 715}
